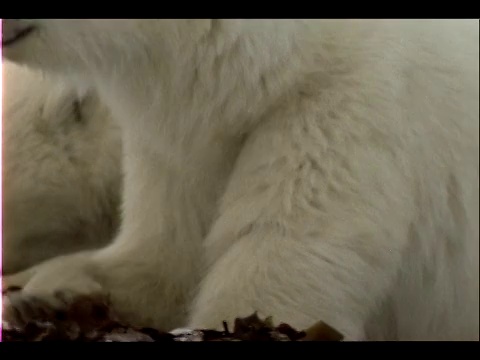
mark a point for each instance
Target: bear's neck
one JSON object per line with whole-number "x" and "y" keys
{"x": 211, "y": 94}
{"x": 190, "y": 119}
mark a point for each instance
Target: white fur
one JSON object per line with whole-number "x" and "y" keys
{"x": 310, "y": 170}
{"x": 61, "y": 169}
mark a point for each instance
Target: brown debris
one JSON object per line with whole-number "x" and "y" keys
{"x": 322, "y": 332}
{"x": 91, "y": 320}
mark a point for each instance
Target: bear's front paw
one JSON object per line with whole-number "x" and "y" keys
{"x": 51, "y": 291}
{"x": 17, "y": 281}
{"x": 21, "y": 308}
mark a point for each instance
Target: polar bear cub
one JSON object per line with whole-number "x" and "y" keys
{"x": 61, "y": 169}
{"x": 308, "y": 170}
